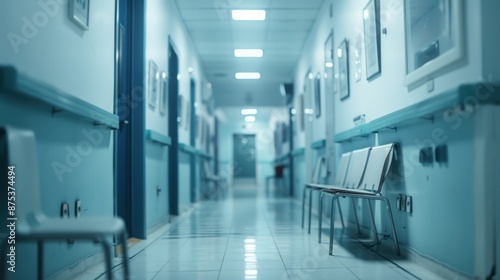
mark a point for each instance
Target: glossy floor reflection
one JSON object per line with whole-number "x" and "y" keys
{"x": 248, "y": 235}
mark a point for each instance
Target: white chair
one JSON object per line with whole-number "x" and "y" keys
{"x": 218, "y": 180}
{"x": 374, "y": 175}
{"x": 319, "y": 174}
{"x": 18, "y": 148}
{"x": 353, "y": 166}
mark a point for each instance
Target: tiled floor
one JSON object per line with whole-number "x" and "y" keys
{"x": 250, "y": 236}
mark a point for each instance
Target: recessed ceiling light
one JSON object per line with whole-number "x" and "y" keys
{"x": 249, "y": 111}
{"x": 248, "y": 52}
{"x": 250, "y": 118}
{"x": 247, "y": 76}
{"x": 249, "y": 14}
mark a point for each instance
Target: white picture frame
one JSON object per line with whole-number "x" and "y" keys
{"x": 79, "y": 13}
{"x": 163, "y": 93}
{"x": 153, "y": 83}
{"x": 453, "y": 25}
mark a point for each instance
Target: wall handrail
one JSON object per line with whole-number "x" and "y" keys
{"x": 17, "y": 84}
{"x": 460, "y": 97}
{"x": 159, "y": 138}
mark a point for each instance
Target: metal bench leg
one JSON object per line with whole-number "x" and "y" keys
{"x": 355, "y": 214}
{"x": 332, "y": 223}
{"x": 320, "y": 216}
{"x": 340, "y": 213}
{"x": 40, "y": 259}
{"x": 372, "y": 219}
{"x": 389, "y": 212}
{"x": 303, "y": 205}
{"x": 107, "y": 257}
{"x": 310, "y": 210}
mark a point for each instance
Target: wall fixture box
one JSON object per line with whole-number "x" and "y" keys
{"x": 78, "y": 208}
{"x": 441, "y": 152}
{"x": 409, "y": 204}
{"x": 403, "y": 203}
{"x": 398, "y": 202}
{"x": 65, "y": 210}
{"x": 426, "y": 156}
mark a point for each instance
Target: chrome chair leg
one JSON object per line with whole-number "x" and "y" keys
{"x": 391, "y": 219}
{"x": 303, "y": 205}
{"x": 332, "y": 223}
{"x": 355, "y": 214}
{"x": 320, "y": 216}
{"x": 310, "y": 211}
{"x": 372, "y": 219}
{"x": 340, "y": 213}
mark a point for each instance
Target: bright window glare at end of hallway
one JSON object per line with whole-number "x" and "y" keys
{"x": 249, "y": 118}
{"x": 249, "y": 14}
{"x": 249, "y": 112}
{"x": 248, "y": 53}
{"x": 247, "y": 75}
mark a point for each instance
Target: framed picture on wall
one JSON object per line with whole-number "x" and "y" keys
{"x": 163, "y": 93}
{"x": 329, "y": 55}
{"x": 187, "y": 116}
{"x": 317, "y": 95}
{"x": 79, "y": 12}
{"x": 343, "y": 56}
{"x": 357, "y": 57}
{"x": 434, "y": 37}
{"x": 371, "y": 24}
{"x": 301, "y": 112}
{"x": 153, "y": 81}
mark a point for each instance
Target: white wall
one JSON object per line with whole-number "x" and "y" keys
{"x": 438, "y": 224}
{"x": 81, "y": 63}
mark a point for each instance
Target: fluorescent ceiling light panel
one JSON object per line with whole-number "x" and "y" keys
{"x": 248, "y": 52}
{"x": 250, "y": 118}
{"x": 249, "y": 112}
{"x": 247, "y": 76}
{"x": 249, "y": 14}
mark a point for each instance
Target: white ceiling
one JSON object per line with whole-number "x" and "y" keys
{"x": 282, "y": 36}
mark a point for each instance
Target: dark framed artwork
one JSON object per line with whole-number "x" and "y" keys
{"x": 343, "y": 56}
{"x": 371, "y": 24}
{"x": 329, "y": 55}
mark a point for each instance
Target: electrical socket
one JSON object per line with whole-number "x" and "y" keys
{"x": 403, "y": 203}
{"x": 409, "y": 204}
{"x": 78, "y": 208}
{"x": 65, "y": 210}
{"x": 398, "y": 202}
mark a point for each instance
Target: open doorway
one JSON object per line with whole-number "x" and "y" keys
{"x": 173, "y": 130}
{"x": 244, "y": 158}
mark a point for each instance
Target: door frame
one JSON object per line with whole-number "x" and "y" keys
{"x": 133, "y": 188}
{"x": 173, "y": 128}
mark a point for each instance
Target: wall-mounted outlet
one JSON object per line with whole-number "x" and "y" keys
{"x": 398, "y": 202}
{"x": 441, "y": 152}
{"x": 409, "y": 204}
{"x": 403, "y": 203}
{"x": 78, "y": 208}
{"x": 426, "y": 156}
{"x": 65, "y": 210}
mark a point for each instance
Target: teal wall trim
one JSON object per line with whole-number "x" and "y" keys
{"x": 464, "y": 95}
{"x": 282, "y": 159}
{"x": 298, "y": 152}
{"x": 14, "y": 83}
{"x": 204, "y": 155}
{"x": 318, "y": 144}
{"x": 158, "y": 138}
{"x": 187, "y": 148}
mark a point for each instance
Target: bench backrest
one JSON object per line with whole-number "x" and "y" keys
{"x": 342, "y": 169}
{"x": 377, "y": 167}
{"x": 319, "y": 170}
{"x": 356, "y": 168}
